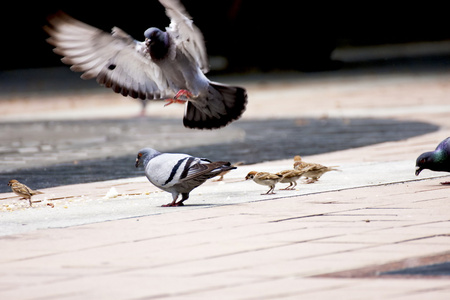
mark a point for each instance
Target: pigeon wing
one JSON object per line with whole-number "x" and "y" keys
{"x": 116, "y": 60}
{"x": 205, "y": 169}
{"x": 185, "y": 34}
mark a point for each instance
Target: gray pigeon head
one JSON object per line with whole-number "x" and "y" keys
{"x": 154, "y": 34}
{"x": 157, "y": 42}
{"x": 144, "y": 155}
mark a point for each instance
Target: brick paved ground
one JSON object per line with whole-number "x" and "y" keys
{"x": 231, "y": 242}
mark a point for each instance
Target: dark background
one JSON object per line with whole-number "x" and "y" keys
{"x": 262, "y": 35}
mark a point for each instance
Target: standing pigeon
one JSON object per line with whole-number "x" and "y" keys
{"x": 437, "y": 160}
{"x": 167, "y": 65}
{"x": 178, "y": 173}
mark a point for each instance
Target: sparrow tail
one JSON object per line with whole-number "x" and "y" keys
{"x": 334, "y": 168}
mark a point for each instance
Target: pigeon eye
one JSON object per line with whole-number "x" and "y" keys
{"x": 423, "y": 160}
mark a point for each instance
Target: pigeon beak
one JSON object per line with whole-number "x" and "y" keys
{"x": 137, "y": 163}
{"x": 418, "y": 170}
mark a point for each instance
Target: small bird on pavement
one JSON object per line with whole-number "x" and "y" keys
{"x": 437, "y": 160}
{"x": 291, "y": 177}
{"x": 167, "y": 65}
{"x": 22, "y": 190}
{"x": 299, "y": 163}
{"x": 178, "y": 173}
{"x": 264, "y": 178}
{"x": 312, "y": 171}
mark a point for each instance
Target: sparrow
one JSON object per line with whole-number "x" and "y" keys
{"x": 437, "y": 160}
{"x": 168, "y": 65}
{"x": 291, "y": 177}
{"x": 22, "y": 190}
{"x": 299, "y": 163}
{"x": 315, "y": 171}
{"x": 178, "y": 173}
{"x": 312, "y": 171}
{"x": 264, "y": 178}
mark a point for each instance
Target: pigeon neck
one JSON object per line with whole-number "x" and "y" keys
{"x": 148, "y": 157}
{"x": 160, "y": 47}
{"x": 439, "y": 156}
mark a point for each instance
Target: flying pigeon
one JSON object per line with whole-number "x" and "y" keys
{"x": 437, "y": 160}
{"x": 167, "y": 65}
{"x": 178, "y": 173}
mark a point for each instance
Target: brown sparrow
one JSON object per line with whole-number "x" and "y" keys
{"x": 299, "y": 163}
{"x": 291, "y": 177}
{"x": 22, "y": 190}
{"x": 264, "y": 178}
{"x": 312, "y": 171}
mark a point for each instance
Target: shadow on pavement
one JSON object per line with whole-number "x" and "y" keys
{"x": 263, "y": 140}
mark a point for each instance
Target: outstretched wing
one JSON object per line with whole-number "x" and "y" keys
{"x": 186, "y": 35}
{"x": 116, "y": 60}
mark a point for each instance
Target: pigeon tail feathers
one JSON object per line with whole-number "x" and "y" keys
{"x": 224, "y": 104}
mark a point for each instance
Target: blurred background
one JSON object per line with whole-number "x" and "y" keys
{"x": 241, "y": 35}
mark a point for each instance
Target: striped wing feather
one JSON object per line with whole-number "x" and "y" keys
{"x": 116, "y": 60}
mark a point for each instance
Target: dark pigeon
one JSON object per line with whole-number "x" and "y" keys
{"x": 168, "y": 65}
{"x": 437, "y": 160}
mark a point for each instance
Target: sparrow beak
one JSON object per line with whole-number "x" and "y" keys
{"x": 418, "y": 170}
